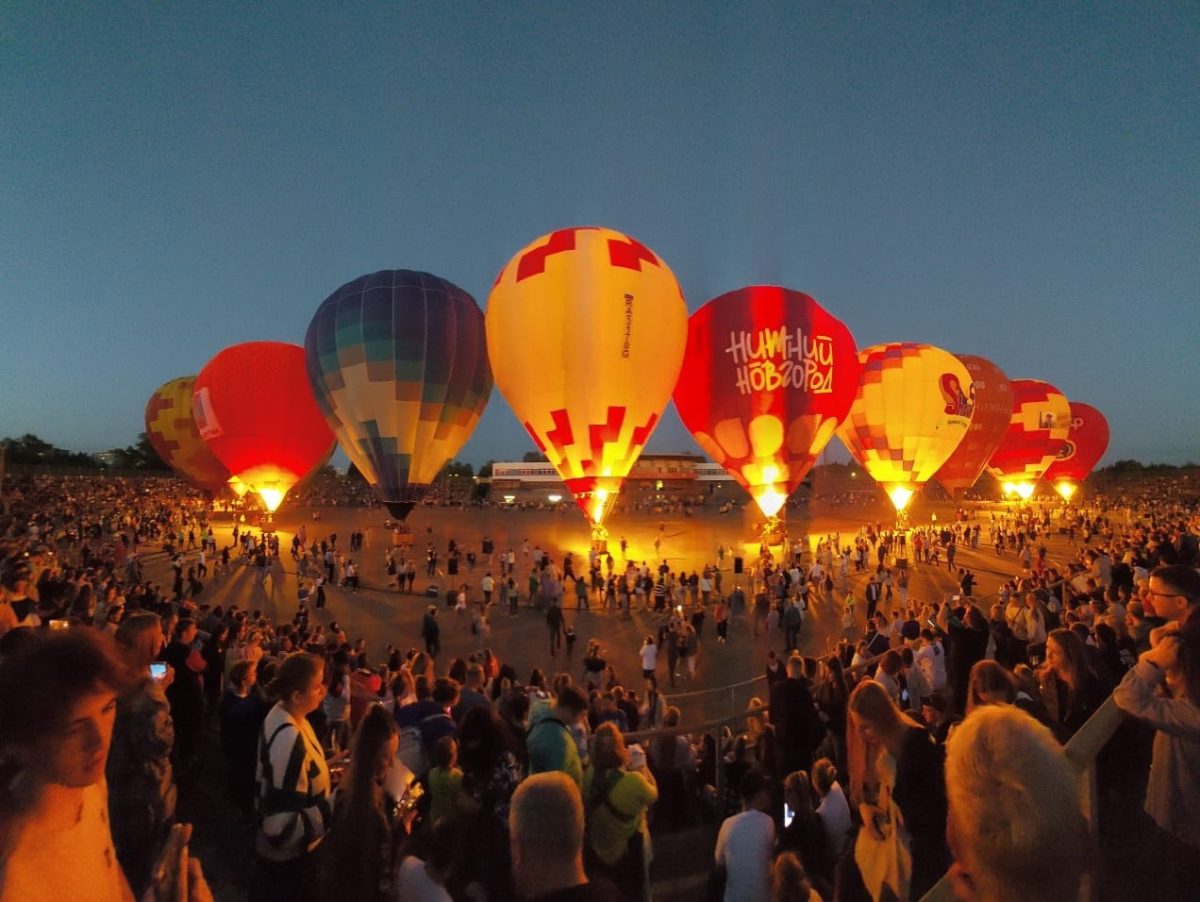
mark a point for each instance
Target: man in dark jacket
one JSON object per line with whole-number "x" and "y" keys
{"x": 797, "y": 727}
{"x": 185, "y": 694}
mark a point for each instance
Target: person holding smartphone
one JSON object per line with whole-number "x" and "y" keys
{"x": 58, "y": 707}
{"x": 142, "y": 804}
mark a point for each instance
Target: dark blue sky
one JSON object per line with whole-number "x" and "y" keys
{"x": 1016, "y": 181}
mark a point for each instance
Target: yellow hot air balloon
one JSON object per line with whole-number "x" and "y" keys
{"x": 912, "y": 409}
{"x": 585, "y": 331}
{"x": 174, "y": 435}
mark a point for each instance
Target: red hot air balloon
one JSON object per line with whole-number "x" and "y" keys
{"x": 254, "y": 406}
{"x": 1036, "y": 431}
{"x": 768, "y": 374}
{"x": 993, "y": 405}
{"x": 1085, "y": 445}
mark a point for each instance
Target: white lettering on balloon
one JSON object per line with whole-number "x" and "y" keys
{"x": 772, "y": 359}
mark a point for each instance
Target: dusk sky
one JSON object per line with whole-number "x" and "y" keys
{"x": 1020, "y": 182}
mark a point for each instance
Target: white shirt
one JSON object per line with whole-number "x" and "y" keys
{"x": 744, "y": 847}
{"x": 649, "y": 653}
{"x": 834, "y": 813}
{"x": 932, "y": 661}
{"x": 413, "y": 883}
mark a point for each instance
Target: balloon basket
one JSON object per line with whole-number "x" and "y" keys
{"x": 774, "y": 532}
{"x": 599, "y": 539}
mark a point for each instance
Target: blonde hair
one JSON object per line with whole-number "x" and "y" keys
{"x": 1016, "y": 820}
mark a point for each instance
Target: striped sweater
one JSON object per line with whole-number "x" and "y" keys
{"x": 293, "y": 788}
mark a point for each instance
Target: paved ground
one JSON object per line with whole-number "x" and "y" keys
{"x": 385, "y": 616}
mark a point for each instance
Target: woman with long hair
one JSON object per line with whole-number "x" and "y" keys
{"x": 897, "y": 779}
{"x": 990, "y": 684}
{"x": 357, "y": 862}
{"x": 294, "y": 784}
{"x": 802, "y": 830}
{"x": 486, "y": 753}
{"x": 617, "y": 793}
{"x": 1070, "y": 689}
{"x": 832, "y": 694}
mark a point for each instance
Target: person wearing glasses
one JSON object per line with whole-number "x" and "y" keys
{"x": 1174, "y": 589}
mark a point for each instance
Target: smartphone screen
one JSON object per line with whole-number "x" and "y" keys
{"x": 788, "y": 815}
{"x": 158, "y": 670}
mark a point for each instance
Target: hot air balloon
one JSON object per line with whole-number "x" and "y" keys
{"x": 398, "y": 363}
{"x": 1036, "y": 431}
{"x": 1086, "y": 443}
{"x": 255, "y": 409}
{"x": 173, "y": 434}
{"x": 992, "y": 402}
{"x": 585, "y": 331}
{"x": 767, "y": 376}
{"x": 912, "y": 409}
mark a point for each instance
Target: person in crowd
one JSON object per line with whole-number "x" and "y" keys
{"x": 357, "y": 859}
{"x": 490, "y": 775}
{"x": 897, "y": 778}
{"x": 1071, "y": 690}
{"x": 746, "y": 842}
{"x": 58, "y": 706}
{"x": 546, "y": 839}
{"x": 1015, "y": 823}
{"x": 336, "y": 704}
{"x": 550, "y": 742}
{"x": 425, "y": 880}
{"x": 802, "y": 831}
{"x": 798, "y": 730}
{"x": 1173, "y": 590}
{"x": 294, "y": 785}
{"x": 833, "y": 809}
{"x": 990, "y": 684}
{"x": 139, "y": 773}
{"x": 185, "y": 694}
{"x": 618, "y": 790}
{"x": 1163, "y": 690}
{"x": 240, "y": 715}
{"x": 789, "y": 880}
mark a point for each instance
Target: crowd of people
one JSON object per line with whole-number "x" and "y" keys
{"x": 930, "y": 745}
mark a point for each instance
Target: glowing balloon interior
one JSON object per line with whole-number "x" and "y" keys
{"x": 585, "y": 332}
{"x": 767, "y": 376}
{"x": 911, "y": 411}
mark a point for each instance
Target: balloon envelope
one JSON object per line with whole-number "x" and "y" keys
{"x": 911, "y": 411}
{"x": 398, "y": 363}
{"x": 172, "y": 432}
{"x": 1037, "y": 428}
{"x": 1087, "y": 440}
{"x": 585, "y": 332}
{"x": 255, "y": 409}
{"x": 992, "y": 403}
{"x": 767, "y": 376}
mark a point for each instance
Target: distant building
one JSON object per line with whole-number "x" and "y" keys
{"x": 654, "y": 478}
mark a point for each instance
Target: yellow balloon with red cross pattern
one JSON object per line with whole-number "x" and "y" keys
{"x": 585, "y": 333}
{"x": 913, "y": 407}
